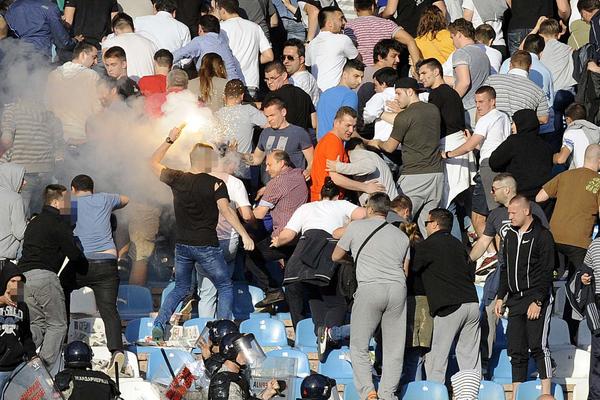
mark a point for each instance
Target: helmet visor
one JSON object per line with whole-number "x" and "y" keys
{"x": 204, "y": 337}
{"x": 249, "y": 347}
{"x": 335, "y": 395}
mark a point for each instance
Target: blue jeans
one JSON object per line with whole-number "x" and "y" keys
{"x": 4, "y": 377}
{"x": 515, "y": 37}
{"x": 208, "y": 260}
{"x": 340, "y": 333}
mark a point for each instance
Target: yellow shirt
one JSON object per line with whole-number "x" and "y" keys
{"x": 439, "y": 48}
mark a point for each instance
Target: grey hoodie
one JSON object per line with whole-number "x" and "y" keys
{"x": 12, "y": 210}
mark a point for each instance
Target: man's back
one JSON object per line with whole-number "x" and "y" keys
{"x": 517, "y": 92}
{"x": 479, "y": 69}
{"x": 367, "y": 31}
{"x": 332, "y": 99}
{"x": 92, "y": 18}
{"x": 300, "y": 106}
{"x": 163, "y": 30}
{"x": 93, "y": 227}
{"x": 327, "y": 54}
{"x": 259, "y": 12}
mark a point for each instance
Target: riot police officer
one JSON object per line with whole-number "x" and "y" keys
{"x": 78, "y": 382}
{"x": 209, "y": 342}
{"x": 319, "y": 387}
{"x": 240, "y": 351}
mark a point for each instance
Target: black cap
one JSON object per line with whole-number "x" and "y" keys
{"x": 407, "y": 83}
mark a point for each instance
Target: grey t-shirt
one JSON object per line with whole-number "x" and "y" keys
{"x": 479, "y": 69}
{"x": 382, "y": 259}
{"x": 292, "y": 140}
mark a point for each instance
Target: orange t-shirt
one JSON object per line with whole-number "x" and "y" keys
{"x": 329, "y": 148}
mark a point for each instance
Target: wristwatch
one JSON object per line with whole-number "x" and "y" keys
{"x": 169, "y": 140}
{"x": 538, "y": 303}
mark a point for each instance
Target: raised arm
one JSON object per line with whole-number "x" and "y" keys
{"x": 159, "y": 153}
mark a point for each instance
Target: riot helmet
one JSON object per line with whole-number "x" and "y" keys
{"x": 78, "y": 354}
{"x": 318, "y": 387}
{"x": 234, "y": 344}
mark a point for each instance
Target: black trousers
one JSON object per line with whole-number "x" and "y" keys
{"x": 574, "y": 257}
{"x": 524, "y": 335}
{"x": 256, "y": 263}
{"x": 594, "y": 376}
{"x": 103, "y": 278}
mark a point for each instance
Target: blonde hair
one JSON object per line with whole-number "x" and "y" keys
{"x": 212, "y": 66}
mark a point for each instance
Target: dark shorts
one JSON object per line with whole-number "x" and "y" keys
{"x": 479, "y": 202}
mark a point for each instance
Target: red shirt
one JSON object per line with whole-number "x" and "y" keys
{"x": 330, "y": 147}
{"x": 152, "y": 84}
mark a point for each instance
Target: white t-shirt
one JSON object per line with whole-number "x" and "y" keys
{"x": 327, "y": 54}
{"x": 139, "y": 51}
{"x": 247, "y": 41}
{"x": 305, "y": 81}
{"x": 495, "y": 58}
{"x": 327, "y": 215}
{"x": 476, "y": 20}
{"x": 373, "y": 109}
{"x": 163, "y": 30}
{"x": 576, "y": 141}
{"x": 495, "y": 128}
{"x": 238, "y": 197}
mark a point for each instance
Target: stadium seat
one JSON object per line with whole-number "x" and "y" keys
{"x": 83, "y": 302}
{"x": 306, "y": 340}
{"x": 260, "y": 315}
{"x": 244, "y": 299}
{"x": 571, "y": 363}
{"x": 134, "y": 302}
{"x": 138, "y": 329}
{"x": 560, "y": 299}
{"x": 302, "y": 364}
{"x": 350, "y": 392}
{"x": 584, "y": 336}
{"x": 158, "y": 370}
{"x": 501, "y": 341}
{"x": 533, "y": 389}
{"x": 200, "y": 323}
{"x": 489, "y": 390}
{"x": 501, "y": 370}
{"x": 269, "y": 332}
{"x": 424, "y": 390}
{"x": 559, "y": 334}
{"x": 479, "y": 290}
{"x": 283, "y": 316}
{"x": 338, "y": 366}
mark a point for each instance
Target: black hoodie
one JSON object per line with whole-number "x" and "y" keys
{"x": 16, "y": 343}
{"x": 525, "y": 155}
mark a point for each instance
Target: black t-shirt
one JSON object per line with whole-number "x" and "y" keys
{"x": 299, "y": 105}
{"x": 525, "y": 13}
{"x": 188, "y": 13}
{"x": 451, "y": 109}
{"x": 92, "y": 18}
{"x": 195, "y": 203}
{"x": 409, "y": 12}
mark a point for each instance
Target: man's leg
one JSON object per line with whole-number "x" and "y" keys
{"x": 594, "y": 378}
{"x": 369, "y": 304}
{"x": 444, "y": 332}
{"x": 211, "y": 261}
{"x": 393, "y": 328}
{"x": 537, "y": 335}
{"x": 36, "y": 311}
{"x": 425, "y": 192}
{"x": 256, "y": 263}
{"x": 467, "y": 351}
{"x": 489, "y": 321}
{"x": 518, "y": 349}
{"x": 294, "y": 296}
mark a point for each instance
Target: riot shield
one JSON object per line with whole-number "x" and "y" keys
{"x": 31, "y": 381}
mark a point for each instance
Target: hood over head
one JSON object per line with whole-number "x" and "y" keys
{"x": 527, "y": 122}
{"x": 11, "y": 177}
{"x": 9, "y": 271}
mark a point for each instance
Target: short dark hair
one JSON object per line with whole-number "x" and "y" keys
{"x": 345, "y": 110}
{"x": 231, "y": 6}
{"x": 164, "y": 58}
{"x": 298, "y": 44}
{"x": 521, "y": 58}
{"x": 549, "y": 27}
{"x": 432, "y": 63}
{"x": 325, "y": 13}
{"x": 53, "y": 192}
{"x": 521, "y": 199}
{"x": 282, "y": 155}
{"x": 353, "y": 143}
{"x": 576, "y": 111}
{"x": 83, "y": 47}
{"x": 484, "y": 33}
{"x": 209, "y": 23}
{"x": 275, "y": 66}
{"x": 120, "y": 20}
{"x": 274, "y": 101}
{"x": 234, "y": 88}
{"x": 110, "y": 82}
{"x": 534, "y": 43}
{"x": 116, "y": 52}
{"x": 379, "y": 202}
{"x": 360, "y": 5}
{"x": 386, "y": 75}
{"x": 402, "y": 202}
{"x": 588, "y": 5}
{"x": 383, "y": 47}
{"x": 354, "y": 64}
{"x": 487, "y": 89}
{"x": 463, "y": 26}
{"x": 83, "y": 183}
{"x": 329, "y": 189}
{"x": 443, "y": 217}
{"x": 165, "y": 5}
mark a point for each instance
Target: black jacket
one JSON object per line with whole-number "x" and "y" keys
{"x": 48, "y": 239}
{"x": 528, "y": 268}
{"x": 16, "y": 343}
{"x": 447, "y": 273}
{"x": 311, "y": 260}
{"x": 525, "y": 155}
{"x": 583, "y": 299}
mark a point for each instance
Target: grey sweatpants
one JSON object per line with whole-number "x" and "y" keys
{"x": 425, "y": 192}
{"x": 45, "y": 299}
{"x": 375, "y": 304}
{"x": 463, "y": 322}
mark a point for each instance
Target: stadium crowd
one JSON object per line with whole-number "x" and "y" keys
{"x": 373, "y": 161}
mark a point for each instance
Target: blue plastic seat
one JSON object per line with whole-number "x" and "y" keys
{"x": 198, "y": 322}
{"x": 533, "y": 389}
{"x": 337, "y": 366}
{"x": 501, "y": 340}
{"x": 306, "y": 340}
{"x": 260, "y": 315}
{"x": 302, "y": 364}
{"x": 283, "y": 316}
{"x": 134, "y": 302}
{"x": 501, "y": 369}
{"x": 489, "y": 390}
{"x": 244, "y": 299}
{"x": 157, "y": 368}
{"x": 350, "y": 392}
{"x": 269, "y": 332}
{"x": 138, "y": 329}
{"x": 424, "y": 390}
{"x": 479, "y": 290}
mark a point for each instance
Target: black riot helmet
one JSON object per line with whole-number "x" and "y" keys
{"x": 317, "y": 387}
{"x": 244, "y": 343}
{"x": 78, "y": 354}
{"x": 217, "y": 330}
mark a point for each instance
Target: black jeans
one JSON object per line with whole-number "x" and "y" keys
{"x": 594, "y": 375}
{"x": 102, "y": 277}
{"x": 574, "y": 257}
{"x": 256, "y": 263}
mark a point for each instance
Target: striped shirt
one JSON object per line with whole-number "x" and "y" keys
{"x": 514, "y": 92}
{"x": 34, "y": 131}
{"x": 284, "y": 194}
{"x": 366, "y": 31}
{"x": 592, "y": 260}
{"x": 347, "y": 7}
{"x": 465, "y": 384}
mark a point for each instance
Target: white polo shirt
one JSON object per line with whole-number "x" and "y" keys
{"x": 495, "y": 128}
{"x": 163, "y": 30}
{"x": 139, "y": 51}
{"x": 327, "y": 54}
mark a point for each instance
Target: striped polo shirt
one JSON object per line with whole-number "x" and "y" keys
{"x": 592, "y": 260}
{"x": 366, "y": 31}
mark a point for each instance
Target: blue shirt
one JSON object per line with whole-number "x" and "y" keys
{"x": 541, "y": 76}
{"x": 329, "y": 103}
{"x": 39, "y": 23}
{"x": 211, "y": 43}
{"x": 93, "y": 226}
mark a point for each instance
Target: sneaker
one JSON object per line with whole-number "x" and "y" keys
{"x": 323, "y": 339}
{"x": 487, "y": 264}
{"x": 188, "y": 303}
{"x": 158, "y": 334}
{"x": 117, "y": 359}
{"x": 372, "y": 395}
{"x": 271, "y": 298}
